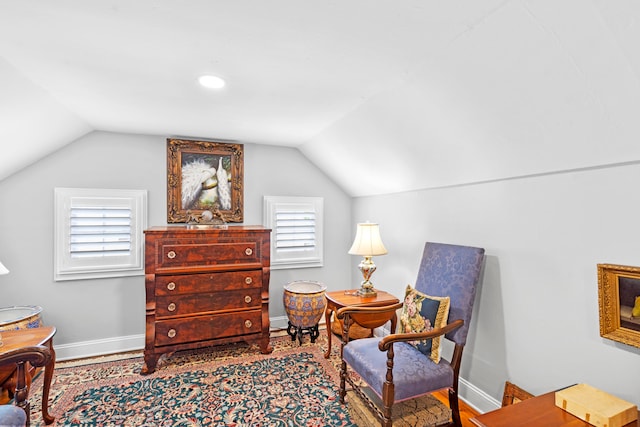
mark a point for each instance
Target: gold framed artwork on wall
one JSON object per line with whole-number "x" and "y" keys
{"x": 204, "y": 176}
{"x": 619, "y": 301}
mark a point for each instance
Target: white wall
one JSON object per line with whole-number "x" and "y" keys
{"x": 108, "y": 314}
{"x": 536, "y": 317}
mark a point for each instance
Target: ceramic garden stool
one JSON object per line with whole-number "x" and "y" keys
{"x": 20, "y": 317}
{"x": 304, "y": 303}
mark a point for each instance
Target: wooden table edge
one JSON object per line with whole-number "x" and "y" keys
{"x": 544, "y": 402}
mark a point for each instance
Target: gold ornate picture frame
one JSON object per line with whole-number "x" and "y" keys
{"x": 204, "y": 176}
{"x": 618, "y": 287}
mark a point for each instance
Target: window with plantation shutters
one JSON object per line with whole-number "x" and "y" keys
{"x": 296, "y": 231}
{"x": 99, "y": 233}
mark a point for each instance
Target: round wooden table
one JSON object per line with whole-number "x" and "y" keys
{"x": 338, "y": 299}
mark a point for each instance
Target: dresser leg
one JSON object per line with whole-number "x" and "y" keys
{"x": 265, "y": 346}
{"x": 150, "y": 361}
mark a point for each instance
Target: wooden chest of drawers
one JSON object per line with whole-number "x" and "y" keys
{"x": 205, "y": 286}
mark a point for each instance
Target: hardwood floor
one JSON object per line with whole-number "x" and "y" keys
{"x": 466, "y": 412}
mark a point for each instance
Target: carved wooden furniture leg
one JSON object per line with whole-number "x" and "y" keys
{"x": 455, "y": 410}
{"x": 327, "y": 319}
{"x": 22, "y": 390}
{"x": 150, "y": 362}
{"x": 48, "y": 376}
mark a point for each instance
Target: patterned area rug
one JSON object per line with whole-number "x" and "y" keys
{"x": 230, "y": 385}
{"x": 422, "y": 412}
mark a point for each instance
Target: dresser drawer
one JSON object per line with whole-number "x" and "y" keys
{"x": 204, "y": 253}
{"x": 202, "y": 328}
{"x": 181, "y": 305}
{"x": 207, "y": 282}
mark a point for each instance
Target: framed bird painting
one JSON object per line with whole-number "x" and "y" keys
{"x": 204, "y": 177}
{"x": 619, "y": 301}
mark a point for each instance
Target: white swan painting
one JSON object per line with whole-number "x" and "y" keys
{"x": 203, "y": 185}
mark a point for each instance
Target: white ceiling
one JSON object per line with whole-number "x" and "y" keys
{"x": 384, "y": 95}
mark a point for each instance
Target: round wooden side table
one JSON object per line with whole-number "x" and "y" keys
{"x": 338, "y": 299}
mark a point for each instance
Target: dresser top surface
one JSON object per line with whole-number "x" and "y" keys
{"x": 184, "y": 228}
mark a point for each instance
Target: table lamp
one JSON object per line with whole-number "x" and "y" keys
{"x": 368, "y": 244}
{"x": 3, "y": 270}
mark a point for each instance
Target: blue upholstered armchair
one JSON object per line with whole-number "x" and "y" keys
{"x": 394, "y": 367}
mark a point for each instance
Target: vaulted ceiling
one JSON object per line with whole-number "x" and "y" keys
{"x": 383, "y": 95}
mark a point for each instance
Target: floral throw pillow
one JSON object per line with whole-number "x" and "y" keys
{"x": 422, "y": 313}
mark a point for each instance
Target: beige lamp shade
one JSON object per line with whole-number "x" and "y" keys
{"x": 368, "y": 241}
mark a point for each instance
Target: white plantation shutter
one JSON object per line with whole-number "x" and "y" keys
{"x": 99, "y": 233}
{"x": 296, "y": 231}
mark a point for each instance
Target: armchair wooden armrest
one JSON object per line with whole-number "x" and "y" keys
{"x": 387, "y": 341}
{"x": 36, "y": 355}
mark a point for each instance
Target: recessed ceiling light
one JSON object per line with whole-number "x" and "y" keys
{"x": 211, "y": 82}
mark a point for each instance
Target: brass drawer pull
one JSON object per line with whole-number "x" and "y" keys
{"x": 171, "y": 255}
{"x": 247, "y": 323}
{"x": 172, "y": 307}
{"x": 171, "y": 333}
{"x": 248, "y": 251}
{"x": 248, "y": 280}
{"x": 171, "y": 285}
{"x": 247, "y": 299}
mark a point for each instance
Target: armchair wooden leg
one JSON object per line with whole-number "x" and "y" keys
{"x": 455, "y": 409}
{"x": 388, "y": 393}
{"x": 386, "y": 422}
{"x": 343, "y": 378}
{"x": 22, "y": 390}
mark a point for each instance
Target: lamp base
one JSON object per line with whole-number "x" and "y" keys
{"x": 366, "y": 292}
{"x": 367, "y": 267}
